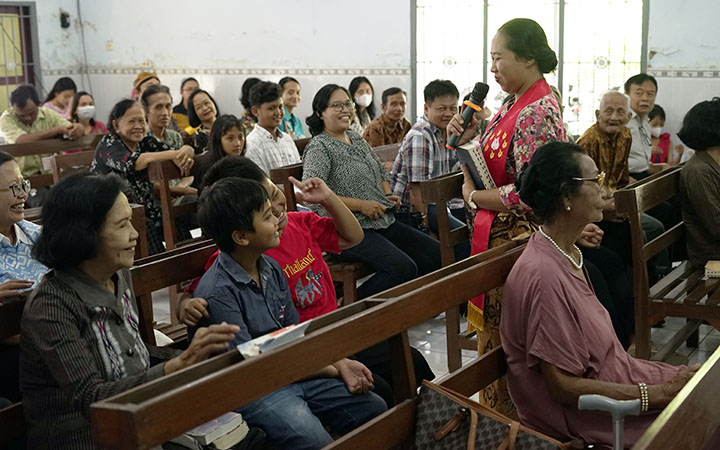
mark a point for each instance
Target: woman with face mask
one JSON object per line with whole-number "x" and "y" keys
{"x": 361, "y": 92}
{"x": 82, "y": 111}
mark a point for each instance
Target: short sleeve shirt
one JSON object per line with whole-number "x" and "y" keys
{"x": 350, "y": 171}
{"x": 234, "y": 297}
{"x": 422, "y": 156}
{"x": 300, "y": 257}
{"x": 551, "y": 314}
{"x": 12, "y": 128}
{"x": 269, "y": 153}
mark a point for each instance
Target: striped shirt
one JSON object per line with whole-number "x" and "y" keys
{"x": 80, "y": 343}
{"x": 269, "y": 153}
{"x": 422, "y": 156}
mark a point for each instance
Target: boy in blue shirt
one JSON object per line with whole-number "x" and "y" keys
{"x": 248, "y": 289}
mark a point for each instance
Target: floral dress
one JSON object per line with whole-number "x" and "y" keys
{"x": 113, "y": 156}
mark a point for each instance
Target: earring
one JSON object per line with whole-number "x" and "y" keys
{"x": 568, "y": 207}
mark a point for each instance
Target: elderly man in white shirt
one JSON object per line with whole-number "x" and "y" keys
{"x": 267, "y": 146}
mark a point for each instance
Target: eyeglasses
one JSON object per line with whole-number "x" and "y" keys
{"x": 339, "y": 106}
{"x": 599, "y": 179}
{"x": 18, "y": 189}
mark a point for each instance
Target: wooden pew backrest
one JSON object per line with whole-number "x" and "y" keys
{"x": 161, "y": 172}
{"x": 71, "y": 163}
{"x": 163, "y": 408}
{"x": 161, "y": 273}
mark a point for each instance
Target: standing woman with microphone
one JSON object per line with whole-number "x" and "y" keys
{"x": 520, "y": 56}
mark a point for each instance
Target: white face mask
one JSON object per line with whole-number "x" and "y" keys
{"x": 86, "y": 112}
{"x": 656, "y": 131}
{"x": 363, "y": 100}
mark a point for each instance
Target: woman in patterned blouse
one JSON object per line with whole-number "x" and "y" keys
{"x": 396, "y": 252}
{"x": 520, "y": 56}
{"x": 127, "y": 151}
{"x": 202, "y": 113}
{"x": 80, "y": 341}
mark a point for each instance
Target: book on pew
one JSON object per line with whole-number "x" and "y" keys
{"x": 712, "y": 269}
{"x": 273, "y": 340}
{"x": 470, "y": 154}
{"x": 221, "y": 433}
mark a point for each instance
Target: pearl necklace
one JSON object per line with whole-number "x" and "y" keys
{"x": 579, "y": 265}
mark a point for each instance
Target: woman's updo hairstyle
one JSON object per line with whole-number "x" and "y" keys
{"x": 527, "y": 40}
{"x": 319, "y": 105}
{"x": 547, "y": 179}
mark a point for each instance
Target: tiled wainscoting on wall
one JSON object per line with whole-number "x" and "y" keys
{"x": 680, "y": 89}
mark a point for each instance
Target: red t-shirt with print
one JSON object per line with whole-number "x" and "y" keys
{"x": 300, "y": 257}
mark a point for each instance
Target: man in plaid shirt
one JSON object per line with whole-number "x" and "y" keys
{"x": 423, "y": 156}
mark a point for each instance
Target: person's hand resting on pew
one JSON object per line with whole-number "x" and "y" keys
{"x": 206, "y": 343}
{"x": 357, "y": 377}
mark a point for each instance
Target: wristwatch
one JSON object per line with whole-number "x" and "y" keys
{"x": 470, "y": 201}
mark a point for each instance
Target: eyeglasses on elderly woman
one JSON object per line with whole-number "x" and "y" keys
{"x": 18, "y": 189}
{"x": 599, "y": 179}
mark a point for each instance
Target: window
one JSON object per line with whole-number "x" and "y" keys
{"x": 601, "y": 47}
{"x": 17, "y": 62}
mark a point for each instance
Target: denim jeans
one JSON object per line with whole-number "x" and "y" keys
{"x": 295, "y": 416}
{"x": 396, "y": 254}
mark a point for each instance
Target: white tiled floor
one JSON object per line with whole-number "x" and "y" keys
{"x": 430, "y": 338}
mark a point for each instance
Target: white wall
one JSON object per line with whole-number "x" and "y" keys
{"x": 684, "y": 55}
{"x": 223, "y": 42}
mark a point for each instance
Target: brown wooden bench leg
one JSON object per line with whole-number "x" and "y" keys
{"x": 642, "y": 334}
{"x": 452, "y": 329}
{"x": 403, "y": 371}
{"x": 694, "y": 340}
{"x": 349, "y": 288}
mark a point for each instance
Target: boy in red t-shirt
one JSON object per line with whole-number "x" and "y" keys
{"x": 304, "y": 236}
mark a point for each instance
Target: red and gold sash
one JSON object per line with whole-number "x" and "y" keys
{"x": 496, "y": 143}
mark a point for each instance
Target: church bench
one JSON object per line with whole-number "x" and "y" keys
{"x": 12, "y": 420}
{"x": 681, "y": 293}
{"x": 440, "y": 191}
{"x": 154, "y": 412}
{"x": 162, "y": 271}
{"x": 71, "y": 163}
{"x": 692, "y": 417}
{"x": 161, "y": 173}
{"x": 301, "y": 143}
{"x": 50, "y": 146}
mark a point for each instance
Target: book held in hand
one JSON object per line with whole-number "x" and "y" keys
{"x": 272, "y": 340}
{"x": 470, "y": 154}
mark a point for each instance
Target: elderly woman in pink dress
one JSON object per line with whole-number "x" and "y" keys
{"x": 558, "y": 338}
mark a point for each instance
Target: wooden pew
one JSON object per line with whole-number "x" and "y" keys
{"x": 387, "y": 154}
{"x": 692, "y": 416}
{"x": 71, "y": 163}
{"x": 50, "y": 146}
{"x": 156, "y": 411}
{"x": 12, "y": 420}
{"x": 440, "y": 191}
{"x": 161, "y": 271}
{"x": 681, "y": 293}
{"x": 301, "y": 143}
{"x": 347, "y": 273}
{"x": 161, "y": 172}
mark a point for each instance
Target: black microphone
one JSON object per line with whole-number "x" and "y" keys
{"x": 474, "y": 103}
